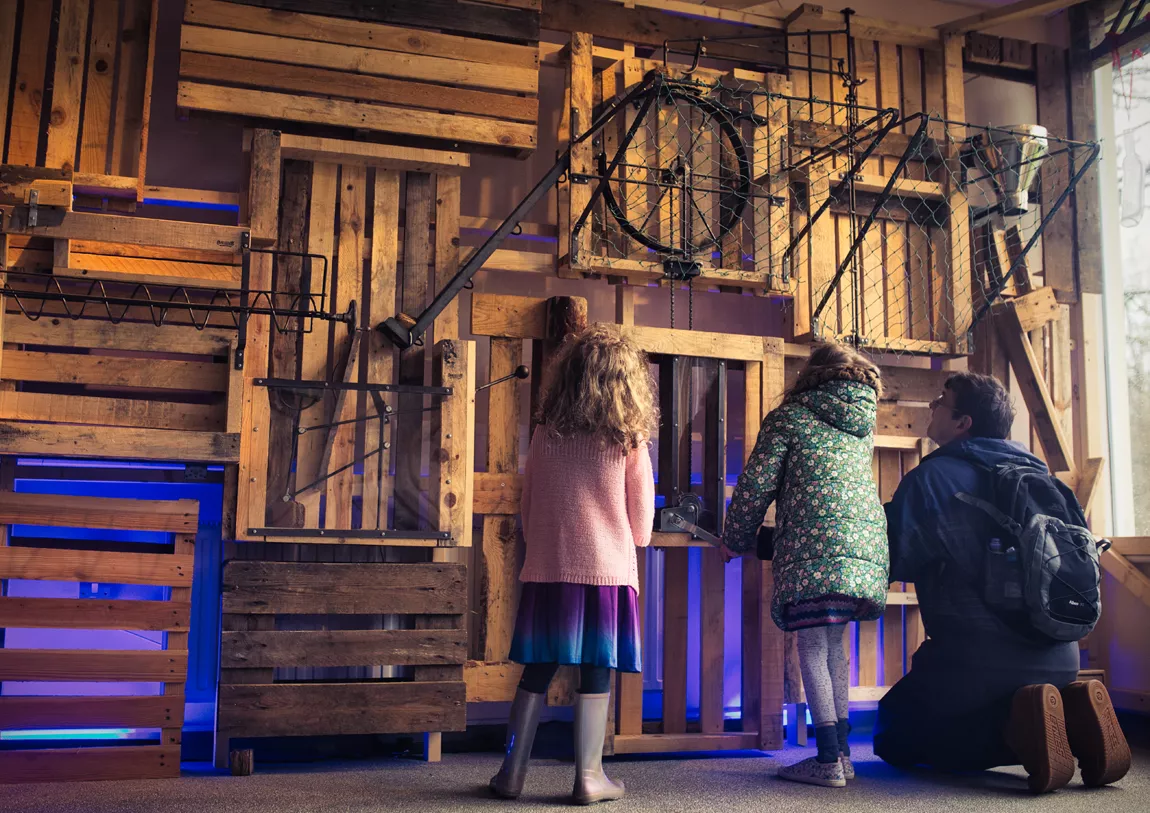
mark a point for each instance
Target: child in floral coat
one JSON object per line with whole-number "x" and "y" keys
{"x": 831, "y": 559}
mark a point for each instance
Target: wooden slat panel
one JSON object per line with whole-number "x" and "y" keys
{"x": 84, "y": 764}
{"x": 177, "y": 516}
{"x": 343, "y": 648}
{"x": 289, "y": 710}
{"x": 358, "y": 33}
{"x": 90, "y": 712}
{"x": 323, "y": 82}
{"x": 67, "y": 84}
{"x": 289, "y": 107}
{"x": 26, "y": 406}
{"x": 28, "y": 93}
{"x": 359, "y": 589}
{"x": 46, "y": 564}
{"x": 96, "y": 614}
{"x": 100, "y": 334}
{"x": 92, "y": 664}
{"x": 359, "y": 60}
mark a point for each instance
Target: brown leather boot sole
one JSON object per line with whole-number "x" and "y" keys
{"x": 1096, "y": 739}
{"x": 1037, "y": 733}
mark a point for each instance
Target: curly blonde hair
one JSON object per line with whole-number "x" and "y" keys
{"x": 600, "y": 383}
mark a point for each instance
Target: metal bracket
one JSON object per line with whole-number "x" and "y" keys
{"x": 681, "y": 269}
{"x": 33, "y": 207}
{"x": 350, "y": 533}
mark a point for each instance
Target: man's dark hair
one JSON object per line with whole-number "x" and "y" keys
{"x": 985, "y": 401}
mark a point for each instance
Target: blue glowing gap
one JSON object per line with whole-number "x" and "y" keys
{"x": 193, "y": 204}
{"x": 70, "y": 734}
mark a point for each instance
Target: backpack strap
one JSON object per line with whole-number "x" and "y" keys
{"x": 991, "y": 510}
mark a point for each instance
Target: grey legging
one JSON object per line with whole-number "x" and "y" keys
{"x": 826, "y": 672}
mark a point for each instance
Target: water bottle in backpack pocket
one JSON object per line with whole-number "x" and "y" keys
{"x": 1002, "y": 577}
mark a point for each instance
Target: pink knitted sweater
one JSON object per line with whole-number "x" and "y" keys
{"x": 586, "y": 506}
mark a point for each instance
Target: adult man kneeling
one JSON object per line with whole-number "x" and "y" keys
{"x": 987, "y": 688}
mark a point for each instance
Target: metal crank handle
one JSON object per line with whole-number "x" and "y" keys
{"x": 697, "y": 532}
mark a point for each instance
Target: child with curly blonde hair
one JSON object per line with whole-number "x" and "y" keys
{"x": 588, "y": 503}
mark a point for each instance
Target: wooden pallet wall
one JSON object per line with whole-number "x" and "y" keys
{"x": 80, "y": 72}
{"x": 381, "y": 73}
{"x": 252, "y": 704}
{"x": 166, "y": 666}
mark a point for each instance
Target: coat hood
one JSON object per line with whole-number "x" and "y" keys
{"x": 848, "y": 406}
{"x": 989, "y": 452}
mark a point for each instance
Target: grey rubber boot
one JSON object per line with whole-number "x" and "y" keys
{"x": 521, "y": 725}
{"x": 591, "y": 784}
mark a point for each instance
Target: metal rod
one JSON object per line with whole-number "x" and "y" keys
{"x": 294, "y": 384}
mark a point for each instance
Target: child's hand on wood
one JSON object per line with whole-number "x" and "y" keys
{"x": 728, "y": 554}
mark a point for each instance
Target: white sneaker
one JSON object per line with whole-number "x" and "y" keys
{"x": 812, "y": 772}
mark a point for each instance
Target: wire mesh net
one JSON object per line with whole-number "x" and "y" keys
{"x": 893, "y": 233}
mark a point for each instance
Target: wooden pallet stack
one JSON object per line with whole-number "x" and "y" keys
{"x": 167, "y": 665}
{"x": 86, "y": 110}
{"x": 474, "y": 79}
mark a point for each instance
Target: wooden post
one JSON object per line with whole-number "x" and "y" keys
{"x": 264, "y": 192}
{"x": 581, "y": 77}
{"x": 771, "y": 640}
{"x": 712, "y": 588}
{"x": 960, "y": 310}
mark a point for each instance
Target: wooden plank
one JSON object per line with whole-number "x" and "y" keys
{"x": 1058, "y": 243}
{"x": 29, "y": 85}
{"x": 65, "y": 665}
{"x": 31, "y": 406}
{"x": 381, "y": 156}
{"x": 453, "y": 71}
{"x": 7, "y": 55}
{"x": 696, "y": 343}
{"x": 711, "y": 642}
{"x": 629, "y": 693}
{"x": 1089, "y": 476}
{"x": 1001, "y": 15}
{"x": 348, "y": 589}
{"x": 497, "y": 493}
{"x": 1055, "y": 444}
{"x": 380, "y": 354}
{"x": 142, "y": 231}
{"x": 579, "y": 85}
{"x": 673, "y": 743}
{"x": 1129, "y": 546}
{"x": 320, "y": 81}
{"x": 961, "y": 308}
{"x": 102, "y": 614}
{"x": 101, "y": 334}
{"x": 293, "y": 709}
{"x": 94, "y": 138}
{"x": 99, "y": 512}
{"x": 108, "y": 371}
{"x": 1036, "y": 308}
{"x": 55, "y": 440}
{"x": 501, "y": 551}
{"x": 902, "y": 421}
{"x": 131, "y": 88}
{"x": 650, "y": 26}
{"x": 383, "y": 118}
{"x": 448, "y": 190}
{"x": 314, "y": 355}
{"x": 342, "y": 648}
{"x": 752, "y": 664}
{"x": 675, "y": 574}
{"x": 30, "y": 713}
{"x": 146, "y": 110}
{"x": 67, "y": 84}
{"x": 52, "y": 564}
{"x": 348, "y": 288}
{"x": 453, "y": 441}
{"x": 358, "y": 33}
{"x": 264, "y": 189}
{"x": 447, "y": 15}
{"x": 85, "y": 764}
{"x": 1127, "y": 575}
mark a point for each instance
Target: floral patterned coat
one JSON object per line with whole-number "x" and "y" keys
{"x": 814, "y": 456}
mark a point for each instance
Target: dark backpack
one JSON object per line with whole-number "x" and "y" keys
{"x": 1042, "y": 575}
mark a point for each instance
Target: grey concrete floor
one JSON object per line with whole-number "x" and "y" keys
{"x": 729, "y": 783}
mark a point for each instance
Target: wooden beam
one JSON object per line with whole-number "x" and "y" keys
{"x": 1036, "y": 308}
{"x": 1127, "y": 575}
{"x": 177, "y": 516}
{"x": 381, "y": 156}
{"x": 1089, "y": 477}
{"x": 52, "y": 564}
{"x": 1132, "y": 546}
{"x": 139, "y": 231}
{"x": 812, "y": 17}
{"x": 991, "y": 18}
{"x": 60, "y": 440}
{"x": 88, "y": 764}
{"x": 264, "y": 189}
{"x": 1016, "y": 343}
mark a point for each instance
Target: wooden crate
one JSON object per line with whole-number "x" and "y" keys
{"x": 81, "y": 83}
{"x": 167, "y": 666}
{"x": 383, "y": 72}
{"x": 252, "y": 703}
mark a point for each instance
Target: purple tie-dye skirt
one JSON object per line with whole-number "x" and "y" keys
{"x": 575, "y": 624}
